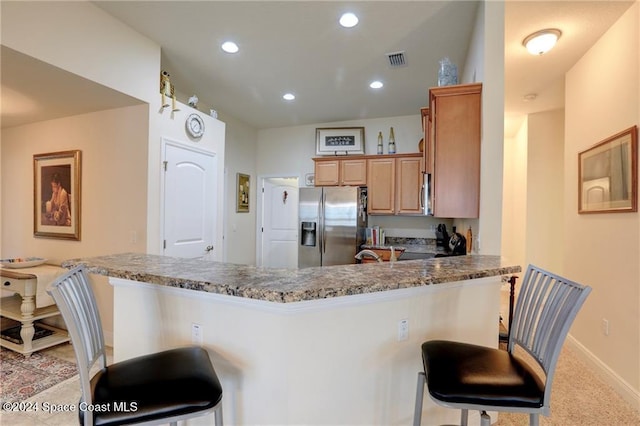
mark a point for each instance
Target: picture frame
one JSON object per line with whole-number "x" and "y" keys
{"x": 608, "y": 175}
{"x": 57, "y": 195}
{"x": 243, "y": 185}
{"x": 339, "y": 140}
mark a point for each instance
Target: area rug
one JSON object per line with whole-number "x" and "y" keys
{"x": 22, "y": 377}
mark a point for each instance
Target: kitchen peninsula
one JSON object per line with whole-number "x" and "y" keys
{"x": 307, "y": 346}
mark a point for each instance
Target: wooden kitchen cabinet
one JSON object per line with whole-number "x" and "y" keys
{"x": 428, "y": 141}
{"x": 409, "y": 184}
{"x": 394, "y": 184}
{"x": 340, "y": 172}
{"x": 381, "y": 185}
{"x": 452, "y": 149}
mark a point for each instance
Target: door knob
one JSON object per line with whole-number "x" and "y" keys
{"x": 208, "y": 249}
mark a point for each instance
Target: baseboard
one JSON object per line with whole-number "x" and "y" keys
{"x": 622, "y": 388}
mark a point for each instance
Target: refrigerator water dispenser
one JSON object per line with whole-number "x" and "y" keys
{"x": 308, "y": 234}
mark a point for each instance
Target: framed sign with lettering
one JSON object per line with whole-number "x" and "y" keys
{"x": 340, "y": 141}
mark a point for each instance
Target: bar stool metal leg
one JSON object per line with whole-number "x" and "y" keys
{"x": 417, "y": 413}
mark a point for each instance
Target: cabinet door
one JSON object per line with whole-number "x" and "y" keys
{"x": 456, "y": 138}
{"x": 428, "y": 140}
{"x": 380, "y": 180}
{"x": 327, "y": 173}
{"x": 408, "y": 185}
{"x": 353, "y": 172}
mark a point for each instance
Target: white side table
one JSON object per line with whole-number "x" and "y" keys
{"x": 22, "y": 307}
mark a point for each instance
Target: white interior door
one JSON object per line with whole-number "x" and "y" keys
{"x": 280, "y": 223}
{"x": 189, "y": 202}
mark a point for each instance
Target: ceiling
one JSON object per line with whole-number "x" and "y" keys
{"x": 34, "y": 91}
{"x": 298, "y": 47}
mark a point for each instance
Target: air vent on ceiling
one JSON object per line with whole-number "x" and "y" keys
{"x": 396, "y": 59}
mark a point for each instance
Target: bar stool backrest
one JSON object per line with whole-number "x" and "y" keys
{"x": 546, "y": 307}
{"x": 75, "y": 299}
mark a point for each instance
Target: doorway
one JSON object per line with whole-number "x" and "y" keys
{"x": 277, "y": 231}
{"x": 189, "y": 201}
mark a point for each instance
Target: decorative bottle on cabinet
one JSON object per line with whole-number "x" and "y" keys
{"x": 392, "y": 142}
{"x": 380, "y": 145}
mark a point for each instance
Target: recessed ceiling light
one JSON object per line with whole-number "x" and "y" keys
{"x": 288, "y": 96}
{"x": 376, "y": 84}
{"x": 230, "y": 47}
{"x": 541, "y": 41}
{"x": 348, "y": 20}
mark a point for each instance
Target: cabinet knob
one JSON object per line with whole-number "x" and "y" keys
{"x": 7, "y": 283}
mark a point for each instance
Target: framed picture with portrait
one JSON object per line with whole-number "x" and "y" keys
{"x": 56, "y": 195}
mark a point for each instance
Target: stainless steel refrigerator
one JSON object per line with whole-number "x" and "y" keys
{"x": 332, "y": 223}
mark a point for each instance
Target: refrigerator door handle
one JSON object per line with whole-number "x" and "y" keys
{"x": 320, "y": 223}
{"x": 323, "y": 240}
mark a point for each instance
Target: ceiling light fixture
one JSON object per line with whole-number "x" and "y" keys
{"x": 288, "y": 96}
{"x": 541, "y": 41}
{"x": 376, "y": 84}
{"x": 230, "y": 47}
{"x": 348, "y": 20}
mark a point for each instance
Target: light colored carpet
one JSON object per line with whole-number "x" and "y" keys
{"x": 579, "y": 397}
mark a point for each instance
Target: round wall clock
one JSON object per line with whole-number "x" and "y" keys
{"x": 195, "y": 126}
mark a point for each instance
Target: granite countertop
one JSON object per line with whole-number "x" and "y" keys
{"x": 292, "y": 285}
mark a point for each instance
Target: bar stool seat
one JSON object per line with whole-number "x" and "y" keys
{"x": 471, "y": 374}
{"x": 157, "y": 388}
{"x": 472, "y": 377}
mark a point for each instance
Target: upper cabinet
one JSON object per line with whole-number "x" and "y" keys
{"x": 452, "y": 126}
{"x": 381, "y": 185}
{"x": 409, "y": 184}
{"x": 331, "y": 171}
{"x": 394, "y": 183}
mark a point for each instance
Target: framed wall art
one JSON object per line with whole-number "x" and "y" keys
{"x": 242, "y": 193}
{"x": 608, "y": 175}
{"x": 340, "y": 141}
{"x": 56, "y": 195}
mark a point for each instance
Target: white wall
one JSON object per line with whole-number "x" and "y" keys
{"x": 541, "y": 223}
{"x": 602, "y": 250}
{"x": 240, "y": 157}
{"x": 291, "y": 149}
{"x": 80, "y": 38}
{"x": 492, "y": 76}
{"x": 514, "y": 211}
{"x": 113, "y": 188}
{"x": 545, "y": 196}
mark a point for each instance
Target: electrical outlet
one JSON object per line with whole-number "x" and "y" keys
{"x": 605, "y": 326}
{"x": 403, "y": 330}
{"x": 196, "y": 334}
